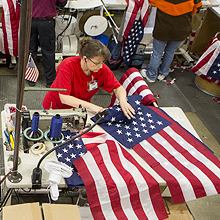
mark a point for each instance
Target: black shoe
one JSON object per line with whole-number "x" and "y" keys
{"x": 30, "y": 83}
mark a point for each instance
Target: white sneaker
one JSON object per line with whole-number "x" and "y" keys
{"x": 160, "y": 77}
{"x": 143, "y": 73}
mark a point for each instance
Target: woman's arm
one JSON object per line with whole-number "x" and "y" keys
{"x": 121, "y": 95}
{"x": 75, "y": 102}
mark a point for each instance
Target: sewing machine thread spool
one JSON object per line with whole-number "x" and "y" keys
{"x": 33, "y": 133}
{"x": 54, "y": 134}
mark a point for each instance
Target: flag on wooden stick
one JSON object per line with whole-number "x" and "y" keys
{"x": 32, "y": 72}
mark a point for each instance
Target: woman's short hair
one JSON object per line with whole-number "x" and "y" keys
{"x": 92, "y": 47}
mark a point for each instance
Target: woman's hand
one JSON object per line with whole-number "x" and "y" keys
{"x": 127, "y": 109}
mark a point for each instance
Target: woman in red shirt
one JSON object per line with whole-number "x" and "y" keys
{"x": 82, "y": 76}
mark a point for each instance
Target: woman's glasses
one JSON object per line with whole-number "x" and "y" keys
{"x": 97, "y": 64}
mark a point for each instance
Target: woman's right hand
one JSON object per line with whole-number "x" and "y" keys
{"x": 96, "y": 109}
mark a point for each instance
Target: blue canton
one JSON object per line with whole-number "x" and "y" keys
{"x": 214, "y": 70}
{"x": 131, "y": 132}
{"x": 131, "y": 42}
{"x": 70, "y": 152}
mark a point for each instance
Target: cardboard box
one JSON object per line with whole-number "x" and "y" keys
{"x": 33, "y": 211}
{"x": 60, "y": 211}
{"x": 26, "y": 211}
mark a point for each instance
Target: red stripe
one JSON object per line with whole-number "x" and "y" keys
{"x": 90, "y": 184}
{"x": 4, "y": 34}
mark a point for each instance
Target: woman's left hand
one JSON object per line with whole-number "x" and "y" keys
{"x": 127, "y": 109}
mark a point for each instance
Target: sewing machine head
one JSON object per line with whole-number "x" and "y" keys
{"x": 73, "y": 119}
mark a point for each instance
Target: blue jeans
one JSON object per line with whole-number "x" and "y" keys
{"x": 155, "y": 66}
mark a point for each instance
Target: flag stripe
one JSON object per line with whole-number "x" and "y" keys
{"x": 134, "y": 84}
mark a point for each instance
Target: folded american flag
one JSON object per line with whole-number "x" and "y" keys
{"x": 134, "y": 84}
{"x": 190, "y": 169}
{"x": 209, "y": 63}
{"x": 10, "y": 26}
{"x": 32, "y": 72}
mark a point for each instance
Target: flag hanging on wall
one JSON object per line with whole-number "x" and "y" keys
{"x": 117, "y": 186}
{"x": 32, "y": 72}
{"x": 10, "y": 26}
{"x": 190, "y": 169}
{"x": 134, "y": 84}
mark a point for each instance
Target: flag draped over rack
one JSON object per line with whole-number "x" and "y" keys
{"x": 190, "y": 169}
{"x": 10, "y": 26}
{"x": 134, "y": 84}
{"x": 208, "y": 64}
{"x": 32, "y": 72}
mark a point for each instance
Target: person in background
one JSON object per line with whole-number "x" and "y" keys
{"x": 173, "y": 24}
{"x": 43, "y": 33}
{"x": 82, "y": 76}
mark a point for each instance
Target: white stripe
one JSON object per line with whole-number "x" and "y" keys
{"x": 184, "y": 183}
{"x": 144, "y": 9}
{"x": 206, "y": 182}
{"x": 141, "y": 184}
{"x": 98, "y": 139}
{"x": 102, "y": 191}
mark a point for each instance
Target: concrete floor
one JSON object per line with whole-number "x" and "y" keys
{"x": 202, "y": 111}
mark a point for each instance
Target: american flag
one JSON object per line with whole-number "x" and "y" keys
{"x": 10, "y": 26}
{"x": 117, "y": 186}
{"x": 32, "y": 72}
{"x": 209, "y": 62}
{"x": 190, "y": 169}
{"x": 135, "y": 10}
{"x": 134, "y": 84}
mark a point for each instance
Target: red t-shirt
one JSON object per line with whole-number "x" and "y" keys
{"x": 70, "y": 76}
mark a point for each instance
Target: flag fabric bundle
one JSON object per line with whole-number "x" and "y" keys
{"x": 117, "y": 186}
{"x": 134, "y": 84}
{"x": 10, "y": 26}
{"x": 190, "y": 169}
{"x": 209, "y": 63}
{"x": 32, "y": 72}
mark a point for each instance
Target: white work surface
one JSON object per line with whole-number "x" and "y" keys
{"x": 86, "y": 4}
{"x": 29, "y": 161}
